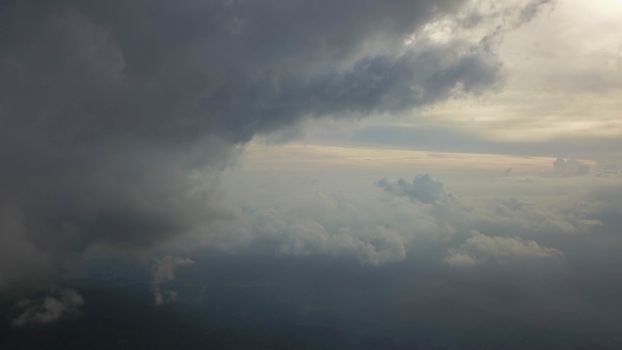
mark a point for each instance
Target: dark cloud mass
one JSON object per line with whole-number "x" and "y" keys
{"x": 107, "y": 107}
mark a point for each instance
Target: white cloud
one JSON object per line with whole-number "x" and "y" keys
{"x": 486, "y": 211}
{"x": 320, "y": 228}
{"x": 325, "y": 215}
{"x": 481, "y": 248}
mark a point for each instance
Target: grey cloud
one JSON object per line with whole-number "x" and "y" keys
{"x": 382, "y": 246}
{"x": 570, "y": 167}
{"x": 65, "y": 302}
{"x": 320, "y": 227}
{"x": 455, "y": 214}
{"x": 109, "y": 108}
{"x": 380, "y": 229}
{"x": 505, "y": 12}
{"x": 18, "y": 254}
{"x": 526, "y": 270}
{"x": 163, "y": 272}
{"x": 481, "y": 248}
{"x": 609, "y": 169}
{"x": 422, "y": 189}
{"x": 528, "y": 12}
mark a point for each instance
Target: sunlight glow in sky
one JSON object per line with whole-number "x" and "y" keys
{"x": 563, "y": 80}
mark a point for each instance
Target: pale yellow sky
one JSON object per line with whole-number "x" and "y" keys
{"x": 563, "y": 80}
{"x": 301, "y": 157}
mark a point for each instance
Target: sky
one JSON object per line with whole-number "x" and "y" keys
{"x": 404, "y": 174}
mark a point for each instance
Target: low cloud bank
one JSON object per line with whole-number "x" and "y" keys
{"x": 52, "y": 308}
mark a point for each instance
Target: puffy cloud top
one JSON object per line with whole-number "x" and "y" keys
{"x": 480, "y": 247}
{"x": 570, "y": 167}
{"x": 422, "y": 189}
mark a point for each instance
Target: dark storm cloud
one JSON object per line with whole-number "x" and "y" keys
{"x": 107, "y": 108}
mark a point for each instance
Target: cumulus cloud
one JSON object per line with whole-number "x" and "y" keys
{"x": 64, "y": 302}
{"x": 570, "y": 167}
{"x": 422, "y": 189}
{"x": 454, "y": 214}
{"x": 481, "y": 248}
{"x": 163, "y": 272}
{"x": 294, "y": 217}
{"x": 382, "y": 247}
{"x": 325, "y": 226}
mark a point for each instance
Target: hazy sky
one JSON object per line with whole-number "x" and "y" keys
{"x": 347, "y": 174}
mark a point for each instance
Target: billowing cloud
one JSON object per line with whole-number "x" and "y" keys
{"x": 376, "y": 225}
{"x": 321, "y": 225}
{"x": 377, "y": 245}
{"x": 422, "y": 189}
{"x": 570, "y": 167}
{"x": 481, "y": 248}
{"x": 64, "y": 302}
{"x": 455, "y": 214}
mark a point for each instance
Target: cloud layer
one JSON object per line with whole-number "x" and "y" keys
{"x": 109, "y": 110}
{"x": 480, "y": 247}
